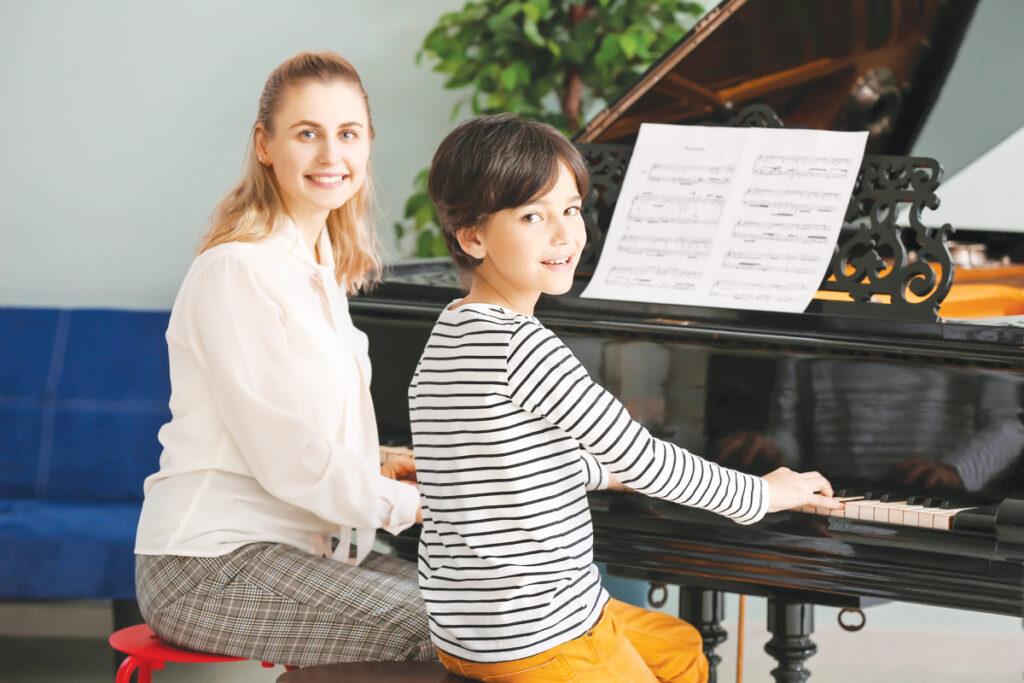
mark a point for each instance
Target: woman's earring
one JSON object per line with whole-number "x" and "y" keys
{"x": 259, "y": 159}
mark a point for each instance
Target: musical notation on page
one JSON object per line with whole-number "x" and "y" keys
{"x": 728, "y": 217}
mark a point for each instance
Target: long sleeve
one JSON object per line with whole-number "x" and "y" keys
{"x": 546, "y": 380}
{"x": 261, "y": 391}
{"x": 998, "y": 438}
{"x": 595, "y": 476}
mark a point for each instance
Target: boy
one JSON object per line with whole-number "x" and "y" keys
{"x": 509, "y": 431}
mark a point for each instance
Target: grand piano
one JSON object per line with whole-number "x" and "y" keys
{"x": 903, "y": 382}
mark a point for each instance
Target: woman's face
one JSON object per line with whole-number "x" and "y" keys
{"x": 319, "y": 149}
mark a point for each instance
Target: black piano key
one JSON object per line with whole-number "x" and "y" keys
{"x": 888, "y": 493}
{"x": 853, "y": 488}
{"x": 966, "y": 502}
{"x": 894, "y": 496}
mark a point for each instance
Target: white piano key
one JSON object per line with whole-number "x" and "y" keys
{"x": 896, "y": 513}
{"x": 943, "y": 519}
{"x": 882, "y": 510}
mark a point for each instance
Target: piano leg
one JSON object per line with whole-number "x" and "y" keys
{"x": 791, "y": 625}
{"x": 704, "y": 610}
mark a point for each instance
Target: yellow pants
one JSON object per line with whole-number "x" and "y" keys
{"x": 627, "y": 645}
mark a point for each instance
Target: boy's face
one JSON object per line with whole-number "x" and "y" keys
{"x": 530, "y": 249}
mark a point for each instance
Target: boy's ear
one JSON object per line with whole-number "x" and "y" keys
{"x": 469, "y": 240}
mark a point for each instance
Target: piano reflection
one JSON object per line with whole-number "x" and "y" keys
{"x": 908, "y": 396}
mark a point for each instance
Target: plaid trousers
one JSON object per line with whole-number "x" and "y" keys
{"x": 275, "y": 603}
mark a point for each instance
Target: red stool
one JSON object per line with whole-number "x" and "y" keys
{"x": 146, "y": 652}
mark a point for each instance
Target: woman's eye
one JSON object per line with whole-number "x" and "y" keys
{"x": 531, "y": 218}
{"x": 307, "y": 134}
{"x": 348, "y": 135}
{"x": 572, "y": 211}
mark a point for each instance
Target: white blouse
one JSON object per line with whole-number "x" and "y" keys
{"x": 272, "y": 435}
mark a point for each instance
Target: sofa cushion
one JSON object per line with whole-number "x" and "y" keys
{"x": 111, "y": 400}
{"x": 56, "y": 550}
{"x": 82, "y": 396}
{"x": 27, "y": 339}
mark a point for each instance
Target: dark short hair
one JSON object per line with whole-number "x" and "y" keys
{"x": 492, "y": 163}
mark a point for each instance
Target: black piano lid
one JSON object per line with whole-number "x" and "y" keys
{"x": 875, "y": 65}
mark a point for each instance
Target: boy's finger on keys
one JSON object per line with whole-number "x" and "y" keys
{"x": 819, "y": 483}
{"x": 826, "y": 502}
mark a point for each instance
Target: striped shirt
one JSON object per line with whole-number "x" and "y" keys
{"x": 506, "y": 427}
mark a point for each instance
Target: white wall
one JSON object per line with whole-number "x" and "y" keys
{"x": 124, "y": 121}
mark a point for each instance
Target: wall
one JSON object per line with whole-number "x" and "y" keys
{"x": 124, "y": 122}
{"x": 982, "y": 102}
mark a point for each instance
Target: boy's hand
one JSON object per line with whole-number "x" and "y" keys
{"x": 788, "y": 489}
{"x": 615, "y": 485}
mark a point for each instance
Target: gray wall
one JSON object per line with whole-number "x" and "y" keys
{"x": 982, "y": 102}
{"x": 123, "y": 122}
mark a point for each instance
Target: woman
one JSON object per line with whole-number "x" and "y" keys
{"x": 272, "y": 445}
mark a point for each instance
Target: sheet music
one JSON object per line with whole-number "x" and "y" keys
{"x": 728, "y": 217}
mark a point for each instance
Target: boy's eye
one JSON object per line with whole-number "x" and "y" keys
{"x": 572, "y": 211}
{"x": 532, "y": 218}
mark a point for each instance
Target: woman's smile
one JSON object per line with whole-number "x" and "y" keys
{"x": 327, "y": 180}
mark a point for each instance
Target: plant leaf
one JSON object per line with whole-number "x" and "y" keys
{"x": 628, "y": 44}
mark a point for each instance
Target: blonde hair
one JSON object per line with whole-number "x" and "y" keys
{"x": 249, "y": 211}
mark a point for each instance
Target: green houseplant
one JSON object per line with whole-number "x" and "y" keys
{"x": 549, "y": 60}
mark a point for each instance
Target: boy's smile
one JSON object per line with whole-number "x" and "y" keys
{"x": 528, "y": 250}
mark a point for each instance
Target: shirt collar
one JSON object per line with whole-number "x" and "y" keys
{"x": 286, "y": 235}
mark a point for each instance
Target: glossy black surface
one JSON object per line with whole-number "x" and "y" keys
{"x": 874, "y": 65}
{"x": 855, "y": 399}
{"x": 931, "y": 408}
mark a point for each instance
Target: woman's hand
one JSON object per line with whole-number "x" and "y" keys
{"x": 788, "y": 489}
{"x": 400, "y": 467}
{"x": 398, "y": 463}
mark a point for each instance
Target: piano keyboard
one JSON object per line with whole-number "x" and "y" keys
{"x": 916, "y": 510}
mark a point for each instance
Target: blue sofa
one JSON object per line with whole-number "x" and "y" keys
{"x": 82, "y": 396}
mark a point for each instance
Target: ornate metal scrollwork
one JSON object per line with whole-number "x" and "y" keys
{"x": 756, "y": 116}
{"x": 876, "y": 257}
{"x": 607, "y": 164}
{"x": 910, "y": 265}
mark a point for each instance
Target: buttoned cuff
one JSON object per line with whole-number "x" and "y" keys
{"x": 400, "y": 505}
